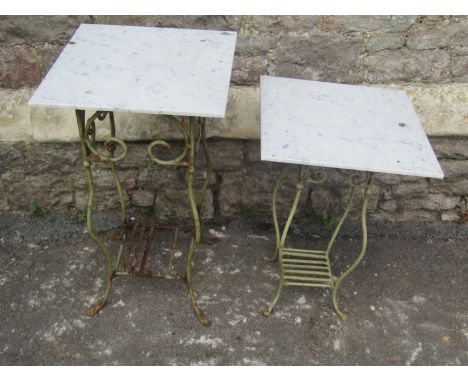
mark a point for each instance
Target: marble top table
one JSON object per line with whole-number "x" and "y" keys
{"x": 143, "y": 70}
{"x": 343, "y": 126}
{"x": 176, "y": 72}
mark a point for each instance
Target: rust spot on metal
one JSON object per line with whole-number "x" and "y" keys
{"x": 94, "y": 158}
{"x": 110, "y": 147}
{"x": 97, "y": 158}
{"x": 96, "y": 308}
{"x": 137, "y": 239}
{"x": 149, "y": 239}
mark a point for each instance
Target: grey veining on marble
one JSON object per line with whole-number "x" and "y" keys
{"x": 343, "y": 126}
{"x": 143, "y": 70}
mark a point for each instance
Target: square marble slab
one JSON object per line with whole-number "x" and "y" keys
{"x": 143, "y": 70}
{"x": 343, "y": 126}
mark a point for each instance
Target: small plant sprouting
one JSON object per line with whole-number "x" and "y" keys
{"x": 170, "y": 216}
{"x": 35, "y": 210}
{"x": 327, "y": 221}
{"x": 81, "y": 217}
{"x": 148, "y": 211}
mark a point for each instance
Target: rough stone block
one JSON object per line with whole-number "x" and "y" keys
{"x": 242, "y": 115}
{"x": 451, "y": 32}
{"x": 256, "y": 45}
{"x": 322, "y": 57}
{"x": 441, "y": 108}
{"x": 346, "y": 24}
{"x": 15, "y": 124}
{"x": 216, "y": 22}
{"x": 257, "y": 185}
{"x": 105, "y": 200}
{"x": 450, "y": 148}
{"x": 227, "y": 155}
{"x": 460, "y": 50}
{"x": 48, "y": 53}
{"x": 449, "y": 216}
{"x": 454, "y": 168}
{"x": 380, "y": 41}
{"x": 388, "y": 205}
{"x": 155, "y": 177}
{"x": 252, "y": 151}
{"x": 143, "y": 198}
{"x": 451, "y": 187}
{"x": 103, "y": 179}
{"x": 411, "y": 190}
{"x": 247, "y": 70}
{"x": 43, "y": 190}
{"x": 407, "y": 65}
{"x": 26, "y": 29}
{"x": 405, "y": 215}
{"x": 280, "y": 24}
{"x": 229, "y": 196}
{"x": 459, "y": 68}
{"x": 390, "y": 179}
{"x": 19, "y": 66}
{"x": 435, "y": 202}
{"x": 52, "y": 158}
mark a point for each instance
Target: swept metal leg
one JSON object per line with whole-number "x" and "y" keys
{"x": 118, "y": 186}
{"x": 196, "y": 219}
{"x": 89, "y": 153}
{"x": 209, "y": 164}
{"x": 367, "y": 193}
{"x": 299, "y": 188}
{"x": 275, "y": 216}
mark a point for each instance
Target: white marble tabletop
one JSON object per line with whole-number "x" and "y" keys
{"x": 343, "y": 126}
{"x": 143, "y": 70}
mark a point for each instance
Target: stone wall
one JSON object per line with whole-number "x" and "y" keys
{"x": 51, "y": 175}
{"x": 425, "y": 55}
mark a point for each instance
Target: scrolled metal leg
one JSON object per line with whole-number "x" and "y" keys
{"x": 84, "y": 131}
{"x": 196, "y": 219}
{"x": 367, "y": 193}
{"x": 299, "y": 188}
{"x": 209, "y": 171}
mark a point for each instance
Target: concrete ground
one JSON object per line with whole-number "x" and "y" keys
{"x": 407, "y": 302}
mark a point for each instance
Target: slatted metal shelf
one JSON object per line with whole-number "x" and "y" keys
{"x": 304, "y": 267}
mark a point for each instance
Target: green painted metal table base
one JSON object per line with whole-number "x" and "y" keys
{"x": 136, "y": 238}
{"x": 312, "y": 268}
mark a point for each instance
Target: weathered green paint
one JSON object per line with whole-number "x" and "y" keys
{"x": 193, "y": 132}
{"x": 312, "y": 268}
